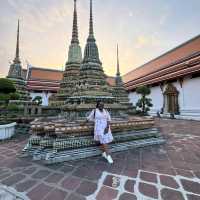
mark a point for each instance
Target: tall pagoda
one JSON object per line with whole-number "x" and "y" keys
{"x": 92, "y": 77}
{"x": 72, "y": 66}
{"x": 92, "y": 85}
{"x": 84, "y": 81}
{"x": 16, "y": 73}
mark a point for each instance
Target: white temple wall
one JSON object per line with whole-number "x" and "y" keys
{"x": 133, "y": 97}
{"x": 156, "y": 96}
{"x": 157, "y": 99}
{"x": 189, "y": 98}
{"x": 45, "y": 97}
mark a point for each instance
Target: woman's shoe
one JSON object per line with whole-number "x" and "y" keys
{"x": 109, "y": 159}
{"x": 104, "y": 155}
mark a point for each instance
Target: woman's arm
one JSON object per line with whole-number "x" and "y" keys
{"x": 91, "y": 116}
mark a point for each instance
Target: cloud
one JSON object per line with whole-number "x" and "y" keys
{"x": 147, "y": 41}
{"x": 130, "y": 14}
{"x": 40, "y": 16}
{"x": 143, "y": 30}
{"x": 13, "y": 4}
{"x": 163, "y": 19}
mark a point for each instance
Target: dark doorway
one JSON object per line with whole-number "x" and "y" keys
{"x": 171, "y": 100}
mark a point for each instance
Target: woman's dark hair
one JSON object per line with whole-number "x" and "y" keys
{"x": 98, "y": 102}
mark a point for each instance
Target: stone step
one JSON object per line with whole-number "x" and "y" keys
{"x": 86, "y": 141}
{"x": 51, "y": 157}
{"x": 118, "y": 138}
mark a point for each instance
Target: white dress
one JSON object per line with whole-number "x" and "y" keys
{"x": 101, "y": 119}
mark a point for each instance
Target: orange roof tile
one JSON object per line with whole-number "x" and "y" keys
{"x": 49, "y": 79}
{"x": 45, "y": 74}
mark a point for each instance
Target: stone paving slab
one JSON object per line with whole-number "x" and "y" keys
{"x": 114, "y": 186}
{"x": 157, "y": 172}
{"x": 8, "y": 193}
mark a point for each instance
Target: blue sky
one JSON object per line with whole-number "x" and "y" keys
{"x": 144, "y": 29}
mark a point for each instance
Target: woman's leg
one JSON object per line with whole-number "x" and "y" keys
{"x": 104, "y": 148}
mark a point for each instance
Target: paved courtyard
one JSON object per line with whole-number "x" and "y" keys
{"x": 166, "y": 172}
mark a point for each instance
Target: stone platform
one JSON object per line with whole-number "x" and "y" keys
{"x": 58, "y": 140}
{"x": 165, "y": 172}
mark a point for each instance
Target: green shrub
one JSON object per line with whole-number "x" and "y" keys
{"x": 6, "y": 86}
{"x": 143, "y": 103}
{"x": 4, "y": 98}
{"x": 38, "y": 100}
{"x": 12, "y": 107}
{"x": 14, "y": 96}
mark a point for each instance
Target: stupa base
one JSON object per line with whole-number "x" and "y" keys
{"x": 52, "y": 151}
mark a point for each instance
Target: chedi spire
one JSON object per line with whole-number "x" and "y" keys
{"x": 118, "y": 78}
{"x": 17, "y": 59}
{"x": 118, "y": 71}
{"x": 91, "y": 31}
{"x": 91, "y": 53}
{"x": 75, "y": 26}
{"x": 15, "y": 70}
{"x": 74, "y": 53}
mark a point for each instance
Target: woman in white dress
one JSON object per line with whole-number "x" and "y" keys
{"x": 102, "y": 131}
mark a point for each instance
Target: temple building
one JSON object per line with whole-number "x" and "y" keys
{"x": 43, "y": 82}
{"x": 174, "y": 79}
{"x": 17, "y": 74}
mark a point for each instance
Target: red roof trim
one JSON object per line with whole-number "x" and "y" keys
{"x": 168, "y": 70}
{"x": 180, "y": 73}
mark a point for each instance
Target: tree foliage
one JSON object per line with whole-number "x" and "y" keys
{"x": 4, "y": 97}
{"x": 6, "y": 86}
{"x": 38, "y": 100}
{"x": 144, "y": 103}
{"x": 13, "y": 107}
{"x": 7, "y": 91}
{"x": 14, "y": 96}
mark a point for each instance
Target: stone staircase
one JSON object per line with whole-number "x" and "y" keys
{"x": 59, "y": 150}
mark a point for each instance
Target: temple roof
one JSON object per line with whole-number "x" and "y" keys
{"x": 43, "y": 79}
{"x": 165, "y": 66}
{"x": 36, "y": 73}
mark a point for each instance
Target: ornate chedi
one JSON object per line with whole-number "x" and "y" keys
{"x": 66, "y": 138}
{"x": 119, "y": 90}
{"x": 92, "y": 85}
{"x": 16, "y": 74}
{"x": 72, "y": 67}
